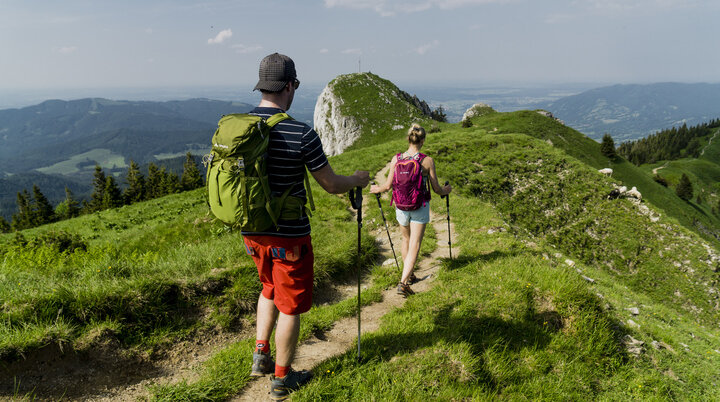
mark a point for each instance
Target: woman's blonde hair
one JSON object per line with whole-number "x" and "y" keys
{"x": 416, "y": 134}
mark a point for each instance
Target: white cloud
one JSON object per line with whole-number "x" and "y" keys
{"x": 220, "y": 37}
{"x": 65, "y": 49}
{"x": 389, "y": 8}
{"x": 242, "y": 49}
{"x": 424, "y": 48}
{"x": 149, "y": 31}
{"x": 352, "y": 51}
{"x": 324, "y": 50}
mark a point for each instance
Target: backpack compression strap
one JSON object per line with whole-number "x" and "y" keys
{"x": 276, "y": 213}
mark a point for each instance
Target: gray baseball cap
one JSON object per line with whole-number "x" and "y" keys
{"x": 276, "y": 70}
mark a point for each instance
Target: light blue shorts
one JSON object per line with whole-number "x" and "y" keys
{"x": 420, "y": 215}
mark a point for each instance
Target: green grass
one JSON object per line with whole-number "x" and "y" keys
{"x": 507, "y": 321}
{"x": 140, "y": 264}
{"x": 694, "y": 217}
{"x": 509, "y": 318}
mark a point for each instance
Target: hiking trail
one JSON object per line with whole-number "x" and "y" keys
{"x": 663, "y": 166}
{"x": 342, "y": 336}
{"x": 106, "y": 372}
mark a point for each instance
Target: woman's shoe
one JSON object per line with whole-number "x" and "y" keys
{"x": 404, "y": 290}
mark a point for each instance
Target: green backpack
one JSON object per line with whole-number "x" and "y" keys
{"x": 237, "y": 182}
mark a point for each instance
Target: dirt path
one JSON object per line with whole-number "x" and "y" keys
{"x": 709, "y": 142}
{"x": 343, "y": 334}
{"x": 662, "y": 167}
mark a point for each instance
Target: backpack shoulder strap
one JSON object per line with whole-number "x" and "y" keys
{"x": 277, "y": 118}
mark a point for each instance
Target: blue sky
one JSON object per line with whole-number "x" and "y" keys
{"x": 145, "y": 43}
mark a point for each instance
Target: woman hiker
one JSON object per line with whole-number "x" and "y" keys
{"x": 411, "y": 197}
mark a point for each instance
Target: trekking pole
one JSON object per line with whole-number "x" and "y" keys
{"x": 356, "y": 202}
{"x": 447, "y": 202}
{"x": 387, "y": 229}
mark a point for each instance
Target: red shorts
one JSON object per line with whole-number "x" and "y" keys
{"x": 285, "y": 267}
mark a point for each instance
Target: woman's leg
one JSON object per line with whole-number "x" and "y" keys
{"x": 415, "y": 232}
{"x": 405, "y": 230}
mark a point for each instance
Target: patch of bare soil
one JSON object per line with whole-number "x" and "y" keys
{"x": 101, "y": 370}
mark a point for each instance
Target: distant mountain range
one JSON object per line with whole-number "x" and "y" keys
{"x": 57, "y": 143}
{"x": 629, "y": 112}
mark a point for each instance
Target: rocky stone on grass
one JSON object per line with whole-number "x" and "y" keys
{"x": 632, "y": 345}
{"x": 633, "y": 310}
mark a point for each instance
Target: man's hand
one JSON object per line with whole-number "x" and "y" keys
{"x": 362, "y": 177}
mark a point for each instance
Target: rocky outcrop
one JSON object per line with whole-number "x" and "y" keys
{"x": 478, "y": 109}
{"x": 337, "y": 131}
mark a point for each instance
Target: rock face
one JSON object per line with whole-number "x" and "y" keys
{"x": 336, "y": 130}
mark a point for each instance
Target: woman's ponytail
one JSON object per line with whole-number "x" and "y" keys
{"x": 416, "y": 134}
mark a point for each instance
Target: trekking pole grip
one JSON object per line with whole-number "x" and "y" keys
{"x": 377, "y": 196}
{"x": 446, "y": 183}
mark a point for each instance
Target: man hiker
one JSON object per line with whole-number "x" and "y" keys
{"x": 284, "y": 253}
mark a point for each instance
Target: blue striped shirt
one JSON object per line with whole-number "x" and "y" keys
{"x": 293, "y": 146}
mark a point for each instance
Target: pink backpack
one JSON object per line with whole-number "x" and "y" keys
{"x": 409, "y": 189}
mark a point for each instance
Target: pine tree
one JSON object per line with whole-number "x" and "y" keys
{"x": 136, "y": 184}
{"x": 4, "y": 225}
{"x": 112, "y": 196}
{"x": 24, "y": 218}
{"x": 191, "y": 178}
{"x": 73, "y": 207}
{"x": 153, "y": 185}
{"x": 684, "y": 188}
{"x": 439, "y": 114}
{"x": 98, "y": 196}
{"x": 44, "y": 212}
{"x": 170, "y": 182}
{"x": 607, "y": 147}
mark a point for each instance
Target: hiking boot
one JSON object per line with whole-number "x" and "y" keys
{"x": 413, "y": 279}
{"x": 262, "y": 364}
{"x": 281, "y": 387}
{"x": 404, "y": 290}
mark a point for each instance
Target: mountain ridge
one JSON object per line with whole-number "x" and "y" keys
{"x": 631, "y": 111}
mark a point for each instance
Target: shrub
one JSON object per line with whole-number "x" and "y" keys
{"x": 684, "y": 189}
{"x": 660, "y": 180}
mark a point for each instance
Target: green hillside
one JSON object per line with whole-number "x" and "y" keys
{"x": 580, "y": 297}
{"x": 382, "y": 110}
{"x": 577, "y": 145}
{"x": 704, "y": 173}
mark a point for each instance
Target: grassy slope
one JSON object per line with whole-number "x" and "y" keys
{"x": 143, "y": 263}
{"x": 510, "y": 319}
{"x": 586, "y": 150}
{"x": 704, "y": 173}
